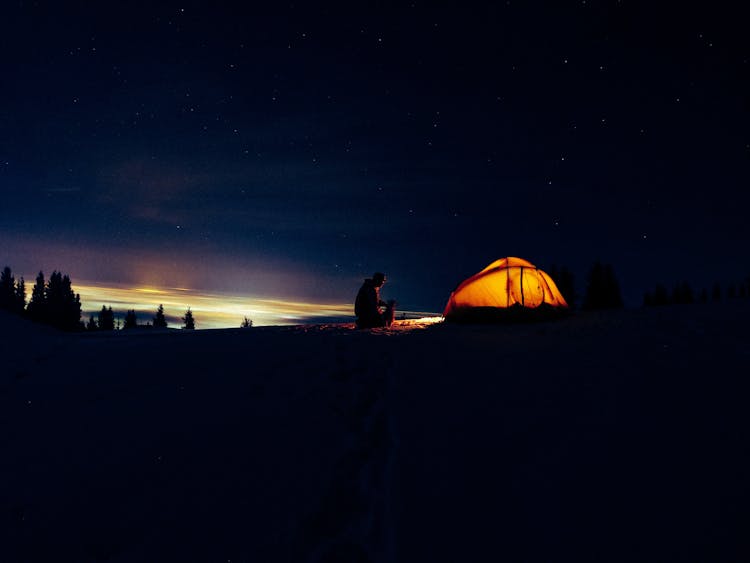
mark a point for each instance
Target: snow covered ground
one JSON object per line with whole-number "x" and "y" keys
{"x": 618, "y": 436}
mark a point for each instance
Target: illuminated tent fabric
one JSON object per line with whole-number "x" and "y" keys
{"x": 507, "y": 288}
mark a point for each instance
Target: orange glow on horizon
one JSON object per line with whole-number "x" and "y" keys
{"x": 210, "y": 310}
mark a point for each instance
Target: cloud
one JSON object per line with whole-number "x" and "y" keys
{"x": 148, "y": 189}
{"x": 200, "y": 267}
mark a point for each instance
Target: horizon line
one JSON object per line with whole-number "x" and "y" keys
{"x": 210, "y": 309}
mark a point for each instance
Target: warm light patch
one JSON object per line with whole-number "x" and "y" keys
{"x": 430, "y": 320}
{"x": 411, "y": 324}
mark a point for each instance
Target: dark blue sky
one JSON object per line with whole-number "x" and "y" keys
{"x": 292, "y": 150}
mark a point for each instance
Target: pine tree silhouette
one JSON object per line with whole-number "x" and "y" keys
{"x": 731, "y": 291}
{"x": 661, "y": 295}
{"x": 53, "y": 303}
{"x": 7, "y": 290}
{"x": 20, "y": 297}
{"x": 106, "y": 319}
{"x": 565, "y": 282}
{"x": 686, "y": 292}
{"x": 130, "y": 320}
{"x": 682, "y": 294}
{"x": 716, "y": 292}
{"x": 63, "y": 306}
{"x": 37, "y": 307}
{"x": 676, "y": 297}
{"x": 160, "y": 320}
{"x": 603, "y": 291}
{"x": 92, "y": 325}
{"x": 188, "y": 320}
{"x": 12, "y": 292}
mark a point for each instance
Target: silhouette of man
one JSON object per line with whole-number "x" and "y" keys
{"x": 368, "y": 304}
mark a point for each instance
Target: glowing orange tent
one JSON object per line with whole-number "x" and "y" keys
{"x": 509, "y": 288}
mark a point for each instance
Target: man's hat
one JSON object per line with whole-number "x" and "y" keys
{"x": 378, "y": 276}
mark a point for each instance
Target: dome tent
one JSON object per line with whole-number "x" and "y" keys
{"x": 508, "y": 289}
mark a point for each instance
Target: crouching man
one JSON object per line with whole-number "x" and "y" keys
{"x": 371, "y": 311}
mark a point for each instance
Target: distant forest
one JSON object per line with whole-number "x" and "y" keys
{"x": 53, "y": 302}
{"x": 603, "y": 290}
{"x": 683, "y": 294}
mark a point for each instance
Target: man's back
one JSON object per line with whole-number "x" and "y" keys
{"x": 367, "y": 303}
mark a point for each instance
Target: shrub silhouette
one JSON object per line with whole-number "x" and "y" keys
{"x": 246, "y": 323}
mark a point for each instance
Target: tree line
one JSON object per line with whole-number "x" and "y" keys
{"x": 602, "y": 287}
{"x": 682, "y": 293}
{"x": 603, "y": 290}
{"x": 53, "y": 302}
{"x": 105, "y": 320}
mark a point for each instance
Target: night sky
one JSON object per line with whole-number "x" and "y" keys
{"x": 289, "y": 150}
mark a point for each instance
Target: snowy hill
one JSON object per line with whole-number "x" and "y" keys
{"x": 618, "y": 436}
